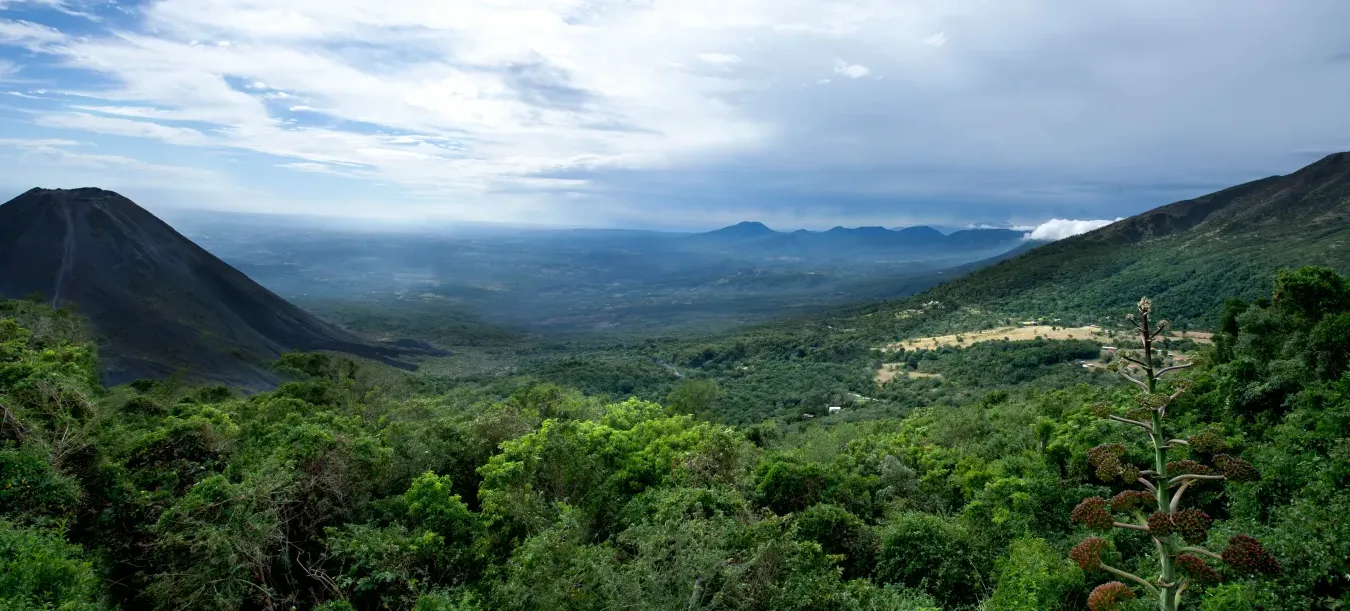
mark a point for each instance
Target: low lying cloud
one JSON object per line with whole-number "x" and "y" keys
{"x": 1058, "y": 229}
{"x": 850, "y": 70}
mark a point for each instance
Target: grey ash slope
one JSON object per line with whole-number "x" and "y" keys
{"x": 157, "y": 301}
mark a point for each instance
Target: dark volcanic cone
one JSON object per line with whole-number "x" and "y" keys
{"x": 157, "y": 301}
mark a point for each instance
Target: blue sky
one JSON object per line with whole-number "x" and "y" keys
{"x": 670, "y": 113}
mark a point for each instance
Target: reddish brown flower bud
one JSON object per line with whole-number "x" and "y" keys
{"x": 1088, "y": 553}
{"x": 1092, "y": 513}
{"x": 1236, "y": 469}
{"x": 1208, "y": 441}
{"x": 1108, "y": 596}
{"x": 1246, "y": 555}
{"x": 1197, "y": 569}
{"x": 1139, "y": 413}
{"x": 1106, "y": 458}
{"x": 1152, "y": 401}
{"x": 1131, "y": 500}
{"x": 1107, "y": 453}
{"x": 1160, "y": 524}
{"x": 1187, "y": 467}
{"x": 1192, "y": 525}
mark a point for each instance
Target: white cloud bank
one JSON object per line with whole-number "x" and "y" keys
{"x": 1058, "y": 229}
{"x": 512, "y": 109}
{"x": 850, "y": 70}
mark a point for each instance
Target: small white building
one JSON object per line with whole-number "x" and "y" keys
{"x": 834, "y": 409}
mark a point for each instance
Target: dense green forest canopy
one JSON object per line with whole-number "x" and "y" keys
{"x": 354, "y": 486}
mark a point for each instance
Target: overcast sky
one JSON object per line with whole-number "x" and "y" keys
{"x": 670, "y": 113}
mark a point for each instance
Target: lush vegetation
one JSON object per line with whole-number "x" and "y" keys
{"x": 356, "y": 487}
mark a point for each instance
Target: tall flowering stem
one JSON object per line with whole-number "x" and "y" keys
{"x": 1156, "y": 509}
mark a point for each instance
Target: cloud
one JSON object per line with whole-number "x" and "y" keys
{"x": 123, "y": 127}
{"x": 850, "y": 70}
{"x": 17, "y": 4}
{"x": 1008, "y": 113}
{"x": 41, "y": 159}
{"x": 33, "y": 36}
{"x": 720, "y": 59}
{"x": 1058, "y": 229}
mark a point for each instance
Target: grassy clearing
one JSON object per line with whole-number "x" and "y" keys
{"x": 890, "y": 371}
{"x": 1030, "y": 332}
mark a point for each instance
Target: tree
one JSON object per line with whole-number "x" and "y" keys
{"x": 843, "y": 534}
{"x": 921, "y": 550}
{"x": 1311, "y": 292}
{"x": 1329, "y": 347}
{"x": 693, "y": 397}
{"x": 1177, "y": 533}
{"x": 1033, "y": 577}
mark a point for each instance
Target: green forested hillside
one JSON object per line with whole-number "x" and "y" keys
{"x": 1190, "y": 255}
{"x": 357, "y": 487}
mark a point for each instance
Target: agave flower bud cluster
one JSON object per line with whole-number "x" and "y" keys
{"x": 1247, "y": 555}
{"x": 1235, "y": 469}
{"x": 1191, "y": 524}
{"x": 1092, "y": 512}
{"x": 1196, "y": 568}
{"x": 1109, "y": 596}
{"x": 1088, "y": 553}
{"x": 1131, "y": 500}
{"x": 1188, "y": 467}
{"x": 1208, "y": 441}
{"x": 1106, "y": 459}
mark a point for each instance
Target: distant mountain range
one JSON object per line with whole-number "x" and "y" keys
{"x": 920, "y": 241}
{"x": 1188, "y": 256}
{"x": 156, "y": 300}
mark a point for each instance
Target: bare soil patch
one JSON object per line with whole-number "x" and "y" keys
{"x": 1030, "y": 332}
{"x": 890, "y": 371}
{"x": 1015, "y": 334}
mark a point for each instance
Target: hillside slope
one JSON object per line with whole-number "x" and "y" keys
{"x": 157, "y": 301}
{"x": 1190, "y": 254}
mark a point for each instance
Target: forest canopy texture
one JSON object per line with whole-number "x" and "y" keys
{"x": 357, "y": 487}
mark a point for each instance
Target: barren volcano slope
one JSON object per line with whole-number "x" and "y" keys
{"x": 157, "y": 301}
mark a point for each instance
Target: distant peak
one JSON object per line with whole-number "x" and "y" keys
{"x": 76, "y": 192}
{"x": 745, "y": 228}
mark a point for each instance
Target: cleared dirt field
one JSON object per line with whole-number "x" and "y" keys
{"x": 890, "y": 371}
{"x": 1015, "y": 334}
{"x": 1028, "y": 332}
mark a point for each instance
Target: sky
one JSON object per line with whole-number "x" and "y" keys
{"x": 680, "y": 114}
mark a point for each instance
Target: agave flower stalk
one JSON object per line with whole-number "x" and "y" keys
{"x": 1177, "y": 533}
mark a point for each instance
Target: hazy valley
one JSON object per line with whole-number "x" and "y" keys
{"x": 570, "y": 281}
